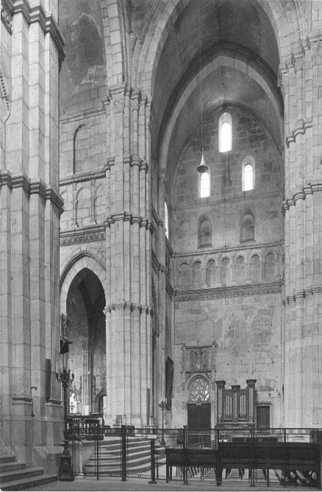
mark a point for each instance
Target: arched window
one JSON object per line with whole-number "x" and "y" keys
{"x": 211, "y": 273}
{"x": 166, "y": 220}
{"x": 204, "y": 185}
{"x": 247, "y": 227}
{"x": 225, "y": 132}
{"x": 204, "y": 233}
{"x": 248, "y": 173}
{"x": 196, "y": 274}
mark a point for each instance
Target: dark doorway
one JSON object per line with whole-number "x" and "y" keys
{"x": 199, "y": 423}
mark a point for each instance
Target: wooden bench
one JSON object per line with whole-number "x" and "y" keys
{"x": 251, "y": 455}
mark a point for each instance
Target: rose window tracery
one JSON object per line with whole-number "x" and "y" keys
{"x": 199, "y": 391}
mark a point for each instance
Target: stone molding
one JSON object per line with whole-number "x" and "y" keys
{"x": 83, "y": 177}
{"x": 101, "y": 173}
{"x": 128, "y": 306}
{"x": 117, "y": 94}
{"x": 133, "y": 160}
{"x": 308, "y": 189}
{"x": 244, "y": 247}
{"x": 89, "y": 234}
{"x": 37, "y": 14}
{"x": 31, "y": 188}
{"x": 233, "y": 291}
{"x": 127, "y": 217}
{"x": 302, "y": 294}
{"x": 298, "y": 130}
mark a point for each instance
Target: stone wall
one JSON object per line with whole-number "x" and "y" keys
{"x": 227, "y": 280}
{"x": 244, "y": 334}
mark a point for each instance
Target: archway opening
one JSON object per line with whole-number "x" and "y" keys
{"x": 87, "y": 352}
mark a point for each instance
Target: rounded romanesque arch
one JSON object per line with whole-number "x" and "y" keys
{"x": 287, "y": 20}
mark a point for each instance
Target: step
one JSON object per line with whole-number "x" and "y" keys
{"x": 135, "y": 461}
{"x": 7, "y": 459}
{"x": 15, "y": 465}
{"x": 109, "y": 452}
{"x": 113, "y": 457}
{"x": 130, "y": 445}
{"x": 25, "y": 473}
{"x": 26, "y": 483}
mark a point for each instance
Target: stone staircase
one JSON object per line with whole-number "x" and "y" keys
{"x": 18, "y": 476}
{"x": 138, "y": 457}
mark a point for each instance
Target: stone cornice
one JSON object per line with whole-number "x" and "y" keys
{"x": 128, "y": 306}
{"x": 233, "y": 291}
{"x": 118, "y": 92}
{"x": 241, "y": 247}
{"x": 31, "y": 188}
{"x": 300, "y": 129}
{"x": 213, "y": 201}
{"x": 37, "y": 14}
{"x": 302, "y": 294}
{"x": 90, "y": 234}
{"x": 88, "y": 113}
{"x": 127, "y": 217}
{"x": 83, "y": 177}
{"x": 308, "y": 189}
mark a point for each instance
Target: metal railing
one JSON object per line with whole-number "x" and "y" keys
{"x": 94, "y": 431}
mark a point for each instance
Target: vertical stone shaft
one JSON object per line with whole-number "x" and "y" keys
{"x": 128, "y": 256}
{"x": 30, "y": 208}
{"x": 303, "y": 256}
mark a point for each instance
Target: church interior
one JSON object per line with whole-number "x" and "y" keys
{"x": 160, "y": 216}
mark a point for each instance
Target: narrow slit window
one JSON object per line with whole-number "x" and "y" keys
{"x": 204, "y": 185}
{"x": 166, "y": 220}
{"x": 248, "y": 170}
{"x": 225, "y": 132}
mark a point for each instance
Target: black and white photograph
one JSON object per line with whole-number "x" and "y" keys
{"x": 160, "y": 245}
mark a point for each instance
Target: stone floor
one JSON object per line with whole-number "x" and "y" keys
{"x": 135, "y": 484}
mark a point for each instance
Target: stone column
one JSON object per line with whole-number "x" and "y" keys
{"x": 29, "y": 233}
{"x": 301, "y": 76}
{"x": 128, "y": 245}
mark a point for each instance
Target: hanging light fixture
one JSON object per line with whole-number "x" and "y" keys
{"x": 202, "y": 168}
